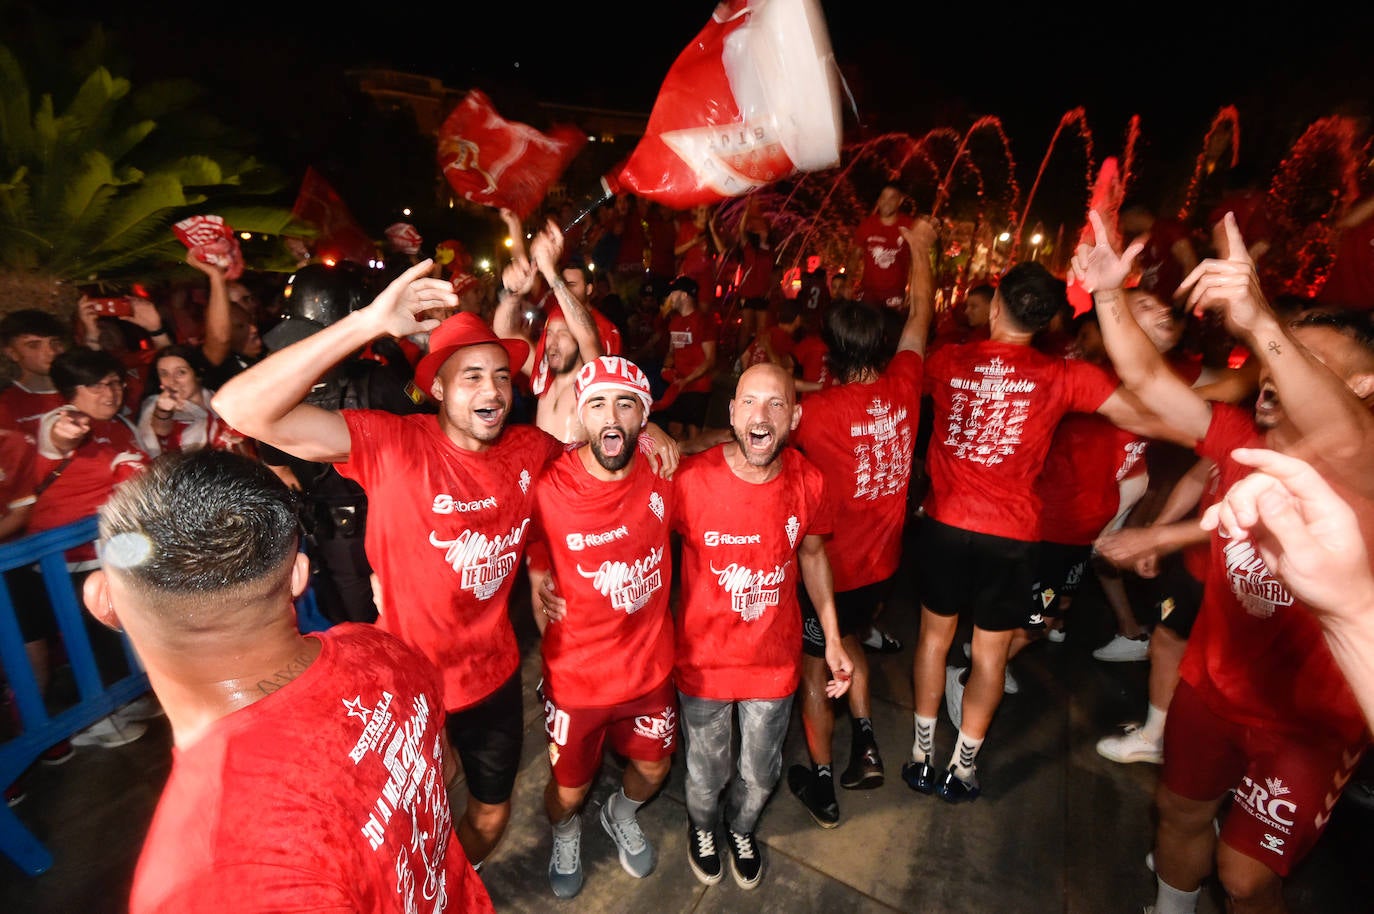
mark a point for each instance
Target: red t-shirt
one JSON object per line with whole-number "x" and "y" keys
{"x": 739, "y": 622}
{"x": 445, "y": 531}
{"x": 809, "y": 353}
{"x": 1079, "y": 487}
{"x": 1256, "y": 654}
{"x": 17, "y": 456}
{"x": 756, "y": 269}
{"x": 21, "y": 408}
{"x": 107, "y": 456}
{"x": 1350, "y": 284}
{"x": 632, "y": 242}
{"x": 686, "y": 335}
{"x": 326, "y": 795}
{"x": 779, "y": 340}
{"x": 885, "y": 260}
{"x": 861, "y": 436}
{"x": 698, "y": 261}
{"x": 663, "y": 233}
{"x": 608, "y": 543}
{"x": 997, "y": 406}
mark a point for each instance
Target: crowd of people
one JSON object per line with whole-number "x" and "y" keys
{"x": 407, "y": 452}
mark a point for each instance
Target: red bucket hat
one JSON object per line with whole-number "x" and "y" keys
{"x": 459, "y": 332}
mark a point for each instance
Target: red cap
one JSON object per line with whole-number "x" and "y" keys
{"x": 462, "y": 282}
{"x": 459, "y": 332}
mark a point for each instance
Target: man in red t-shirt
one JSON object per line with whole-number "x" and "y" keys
{"x": 607, "y": 636}
{"x": 997, "y": 404}
{"x": 690, "y": 365}
{"x": 752, "y": 515}
{"x": 883, "y": 261}
{"x": 1262, "y": 711}
{"x": 309, "y": 769}
{"x": 1167, "y": 254}
{"x": 30, "y": 339}
{"x": 449, "y": 504}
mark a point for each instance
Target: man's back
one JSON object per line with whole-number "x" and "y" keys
{"x": 326, "y": 794}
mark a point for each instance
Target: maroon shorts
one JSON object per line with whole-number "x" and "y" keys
{"x": 1284, "y": 788}
{"x": 644, "y": 729}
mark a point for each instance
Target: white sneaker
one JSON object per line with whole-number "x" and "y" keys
{"x": 145, "y": 707}
{"x": 1056, "y": 635}
{"x": 1131, "y": 746}
{"x": 110, "y": 732}
{"x": 1124, "y": 650}
{"x": 954, "y": 695}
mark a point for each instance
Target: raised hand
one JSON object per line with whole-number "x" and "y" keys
{"x": 396, "y": 308}
{"x": 70, "y": 429}
{"x": 546, "y": 248}
{"x": 1229, "y": 286}
{"x": 921, "y": 234}
{"x": 1098, "y": 267}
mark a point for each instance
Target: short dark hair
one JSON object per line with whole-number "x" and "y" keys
{"x": 200, "y": 524}
{"x": 30, "y": 322}
{"x": 1031, "y": 295}
{"x": 985, "y": 290}
{"x": 855, "y": 334}
{"x": 1355, "y": 325}
{"x": 78, "y": 367}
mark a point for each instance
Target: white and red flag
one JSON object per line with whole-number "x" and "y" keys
{"x": 501, "y": 163}
{"x": 753, "y": 99}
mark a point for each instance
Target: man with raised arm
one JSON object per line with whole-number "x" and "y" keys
{"x": 1262, "y": 711}
{"x": 309, "y": 769}
{"x": 450, "y": 498}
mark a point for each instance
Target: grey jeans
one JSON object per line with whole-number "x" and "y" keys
{"x": 707, "y": 730}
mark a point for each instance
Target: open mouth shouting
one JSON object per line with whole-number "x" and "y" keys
{"x": 491, "y": 415}
{"x": 1268, "y": 409}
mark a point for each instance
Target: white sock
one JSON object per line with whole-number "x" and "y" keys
{"x": 569, "y": 827}
{"x": 1169, "y": 900}
{"x": 924, "y": 747}
{"x": 1153, "y": 730}
{"x": 622, "y": 807}
{"x": 965, "y": 752}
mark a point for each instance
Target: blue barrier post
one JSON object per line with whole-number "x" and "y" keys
{"x": 39, "y": 730}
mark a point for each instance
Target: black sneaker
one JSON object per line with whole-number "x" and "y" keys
{"x": 746, "y": 864}
{"x": 816, "y": 794}
{"x": 702, "y": 854}
{"x": 955, "y": 789}
{"x": 919, "y": 776}
{"x": 865, "y": 770}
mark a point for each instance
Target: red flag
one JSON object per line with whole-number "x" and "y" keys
{"x": 501, "y": 163}
{"x": 755, "y": 98}
{"x": 340, "y": 238}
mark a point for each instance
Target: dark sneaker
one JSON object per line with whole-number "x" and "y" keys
{"x": 865, "y": 770}
{"x": 637, "y": 855}
{"x": 919, "y": 776}
{"x": 746, "y": 864}
{"x": 565, "y": 865}
{"x": 702, "y": 854}
{"x": 59, "y": 754}
{"x": 955, "y": 789}
{"x": 816, "y": 794}
{"x": 880, "y": 642}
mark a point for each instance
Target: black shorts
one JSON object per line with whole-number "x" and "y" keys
{"x": 689, "y": 408}
{"x": 991, "y": 575}
{"x": 1060, "y": 574}
{"x": 755, "y": 304}
{"x": 488, "y": 738}
{"x": 853, "y": 611}
{"x": 1175, "y": 594}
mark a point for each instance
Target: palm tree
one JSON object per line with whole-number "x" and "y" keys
{"x": 92, "y": 179}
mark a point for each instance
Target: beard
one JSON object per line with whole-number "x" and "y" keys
{"x": 754, "y": 458}
{"x": 616, "y": 454}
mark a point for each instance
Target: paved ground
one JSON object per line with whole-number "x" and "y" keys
{"x": 1059, "y": 829}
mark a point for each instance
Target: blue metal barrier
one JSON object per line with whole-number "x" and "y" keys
{"x": 39, "y": 730}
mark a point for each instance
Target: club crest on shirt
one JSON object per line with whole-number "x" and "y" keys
{"x": 656, "y": 504}
{"x": 793, "y": 528}
{"x": 524, "y": 482}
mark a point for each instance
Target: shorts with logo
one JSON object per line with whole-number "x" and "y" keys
{"x": 853, "y": 611}
{"x": 1284, "y": 787}
{"x": 488, "y": 738}
{"x": 1176, "y": 595}
{"x": 644, "y": 729}
{"x": 1060, "y": 571}
{"x": 991, "y": 575}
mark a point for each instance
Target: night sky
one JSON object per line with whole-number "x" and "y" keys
{"x": 910, "y": 66}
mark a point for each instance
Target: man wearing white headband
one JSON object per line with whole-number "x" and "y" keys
{"x": 608, "y": 635}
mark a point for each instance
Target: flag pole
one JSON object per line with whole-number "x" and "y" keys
{"x": 606, "y": 196}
